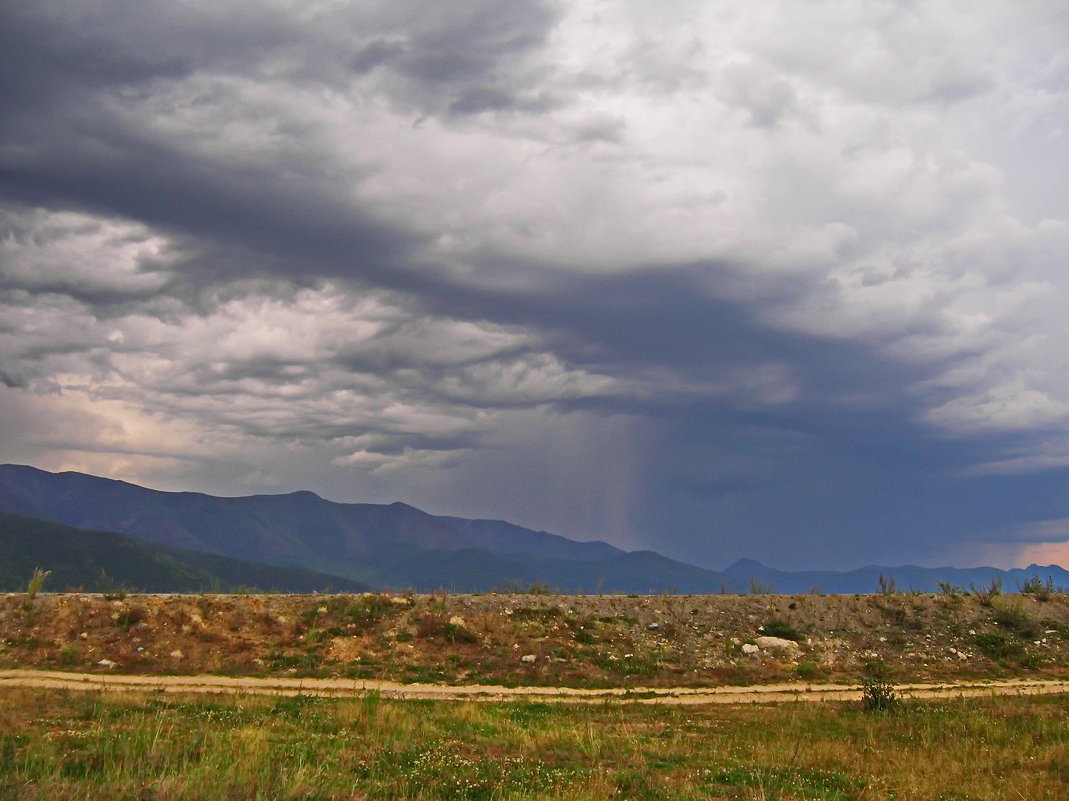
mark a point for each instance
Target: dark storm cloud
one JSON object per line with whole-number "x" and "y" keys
{"x": 75, "y": 146}
{"x": 753, "y": 294}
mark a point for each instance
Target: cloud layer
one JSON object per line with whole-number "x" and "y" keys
{"x": 714, "y": 279}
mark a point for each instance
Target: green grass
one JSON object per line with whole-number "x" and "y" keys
{"x": 57, "y": 745}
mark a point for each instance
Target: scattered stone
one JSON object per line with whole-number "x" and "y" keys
{"x": 780, "y": 645}
{"x": 750, "y": 649}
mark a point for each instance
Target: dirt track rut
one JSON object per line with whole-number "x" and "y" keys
{"x": 348, "y": 688}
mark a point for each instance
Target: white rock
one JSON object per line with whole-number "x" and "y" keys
{"x": 528, "y": 658}
{"x": 750, "y": 649}
{"x": 106, "y": 663}
{"x": 176, "y": 654}
{"x": 789, "y": 647}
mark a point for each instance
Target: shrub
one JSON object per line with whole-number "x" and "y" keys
{"x": 367, "y": 610}
{"x": 128, "y": 618}
{"x": 1042, "y": 590}
{"x": 806, "y": 670}
{"x": 782, "y": 629}
{"x": 1013, "y": 617}
{"x": 584, "y": 637}
{"x": 438, "y": 626}
{"x": 69, "y": 655}
{"x": 877, "y": 689}
{"x": 1000, "y": 648}
{"x": 987, "y": 594}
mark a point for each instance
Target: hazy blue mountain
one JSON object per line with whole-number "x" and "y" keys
{"x": 101, "y": 561}
{"x": 402, "y": 547}
{"x": 393, "y": 545}
{"x": 475, "y": 570}
{"x": 908, "y": 577}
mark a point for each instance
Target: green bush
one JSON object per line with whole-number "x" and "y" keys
{"x": 877, "y": 688}
{"x": 997, "y": 646}
{"x": 806, "y": 670}
{"x": 782, "y": 629}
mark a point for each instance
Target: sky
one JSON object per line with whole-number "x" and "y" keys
{"x": 776, "y": 279}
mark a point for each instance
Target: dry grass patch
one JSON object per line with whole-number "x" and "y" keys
{"x": 76, "y": 746}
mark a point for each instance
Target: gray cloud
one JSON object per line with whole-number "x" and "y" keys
{"x": 681, "y": 278}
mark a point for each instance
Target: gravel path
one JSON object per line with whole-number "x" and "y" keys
{"x": 348, "y": 688}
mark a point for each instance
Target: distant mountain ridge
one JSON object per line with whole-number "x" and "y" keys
{"x": 106, "y": 561}
{"x": 393, "y": 545}
{"x": 906, "y": 578}
{"x": 400, "y": 546}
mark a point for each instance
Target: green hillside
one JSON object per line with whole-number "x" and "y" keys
{"x": 100, "y": 561}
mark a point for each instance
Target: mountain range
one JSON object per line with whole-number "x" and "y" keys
{"x": 399, "y": 546}
{"x": 108, "y": 562}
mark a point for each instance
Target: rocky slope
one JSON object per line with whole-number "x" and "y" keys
{"x": 541, "y": 639}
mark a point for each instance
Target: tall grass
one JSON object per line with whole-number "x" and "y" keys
{"x": 72, "y": 746}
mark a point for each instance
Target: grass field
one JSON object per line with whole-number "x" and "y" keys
{"x": 57, "y": 745}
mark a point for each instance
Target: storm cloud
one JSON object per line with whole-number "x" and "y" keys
{"x": 776, "y": 280}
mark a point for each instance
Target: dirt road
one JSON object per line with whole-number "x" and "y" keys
{"x": 347, "y": 688}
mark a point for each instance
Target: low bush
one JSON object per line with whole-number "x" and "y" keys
{"x": 987, "y": 594}
{"x": 1003, "y": 649}
{"x": 1013, "y": 617}
{"x": 878, "y": 692}
{"x": 782, "y": 629}
{"x": 1042, "y": 590}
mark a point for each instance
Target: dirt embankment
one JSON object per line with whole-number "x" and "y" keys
{"x": 541, "y": 640}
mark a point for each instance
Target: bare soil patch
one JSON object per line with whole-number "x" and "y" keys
{"x": 343, "y": 688}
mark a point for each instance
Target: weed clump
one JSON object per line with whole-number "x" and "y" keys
{"x": 1013, "y": 617}
{"x": 36, "y": 582}
{"x": 878, "y": 692}
{"x": 987, "y": 594}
